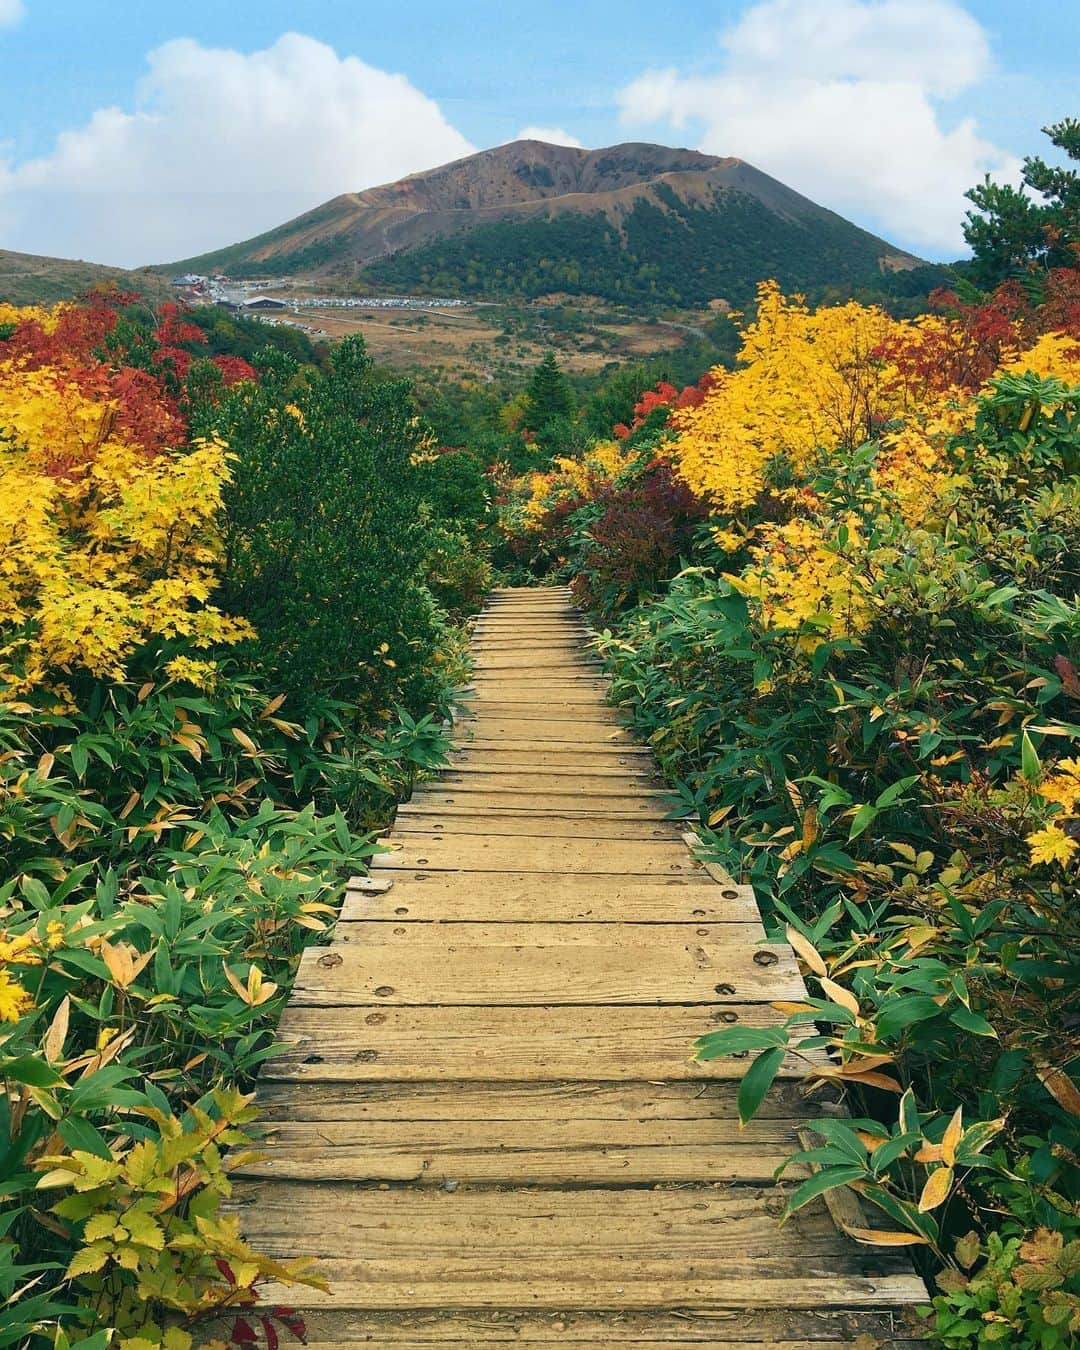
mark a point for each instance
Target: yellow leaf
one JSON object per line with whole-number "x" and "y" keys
{"x": 838, "y": 994}
{"x": 874, "y": 1237}
{"x": 937, "y": 1188}
{"x": 810, "y": 826}
{"x": 1061, "y": 1087}
{"x": 245, "y": 740}
{"x": 88, "y": 1260}
{"x": 272, "y": 707}
{"x": 805, "y": 948}
{"x": 57, "y": 1032}
{"x": 954, "y": 1132}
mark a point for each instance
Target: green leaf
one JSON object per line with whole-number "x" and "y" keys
{"x": 757, "y": 1080}
{"x": 79, "y": 1133}
{"x": 28, "y": 1069}
{"x": 894, "y": 792}
{"x": 736, "y": 1040}
{"x": 826, "y": 1180}
{"x": 1029, "y": 759}
{"x": 970, "y": 1021}
{"x": 897, "y": 1015}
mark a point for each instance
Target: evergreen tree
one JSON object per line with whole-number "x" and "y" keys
{"x": 1011, "y": 233}
{"x": 547, "y": 396}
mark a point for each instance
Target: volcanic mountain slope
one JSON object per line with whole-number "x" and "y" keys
{"x": 631, "y": 222}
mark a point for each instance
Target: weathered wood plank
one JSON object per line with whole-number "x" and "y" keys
{"x": 478, "y": 761}
{"x": 740, "y": 1285}
{"x": 637, "y": 801}
{"x": 496, "y": 853}
{"x": 781, "y": 1329}
{"x": 549, "y": 782}
{"x": 533, "y": 754}
{"x": 571, "y": 730}
{"x": 540, "y": 1152}
{"x": 411, "y": 823}
{"x": 524, "y": 898}
{"x": 585, "y": 1102}
{"x": 378, "y": 964}
{"x": 707, "y": 1223}
{"x": 508, "y": 1044}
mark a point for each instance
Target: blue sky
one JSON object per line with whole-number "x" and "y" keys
{"x": 881, "y": 109}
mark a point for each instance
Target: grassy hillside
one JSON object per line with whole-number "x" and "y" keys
{"x": 27, "y": 279}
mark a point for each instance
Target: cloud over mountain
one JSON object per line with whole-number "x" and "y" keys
{"x": 846, "y": 100}
{"x": 220, "y": 142}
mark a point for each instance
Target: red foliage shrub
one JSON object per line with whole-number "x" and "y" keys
{"x": 637, "y": 540}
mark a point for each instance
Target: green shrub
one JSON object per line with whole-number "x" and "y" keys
{"x": 324, "y": 541}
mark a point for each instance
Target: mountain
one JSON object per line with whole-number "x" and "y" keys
{"x": 27, "y": 279}
{"x": 643, "y": 224}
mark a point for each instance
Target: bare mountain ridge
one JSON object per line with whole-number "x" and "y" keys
{"x": 525, "y": 181}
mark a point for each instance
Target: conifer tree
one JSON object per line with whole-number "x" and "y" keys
{"x": 547, "y": 396}
{"x": 1013, "y": 234}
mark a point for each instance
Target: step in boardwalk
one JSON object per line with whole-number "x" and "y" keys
{"x": 485, "y": 1123}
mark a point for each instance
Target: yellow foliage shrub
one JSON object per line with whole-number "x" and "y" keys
{"x": 806, "y": 384}
{"x": 103, "y": 544}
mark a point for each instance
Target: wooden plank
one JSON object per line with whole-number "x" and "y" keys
{"x": 571, "y": 730}
{"x": 549, "y": 782}
{"x": 479, "y": 762}
{"x": 374, "y": 1339}
{"x": 599, "y": 1248}
{"x": 410, "y": 824}
{"x": 675, "y": 1285}
{"x": 543, "y": 686}
{"x": 536, "y": 662}
{"x": 559, "y": 640}
{"x": 529, "y": 1153}
{"x": 508, "y": 1044}
{"x": 497, "y": 853}
{"x": 474, "y": 719}
{"x": 546, "y": 706}
{"x": 706, "y": 1223}
{"x": 477, "y": 718}
{"x": 519, "y": 898}
{"x": 510, "y": 1001}
{"x": 518, "y": 965}
{"x": 643, "y": 801}
{"x": 662, "y": 1103}
{"x": 494, "y": 626}
{"x": 539, "y": 754}
{"x": 412, "y": 1329}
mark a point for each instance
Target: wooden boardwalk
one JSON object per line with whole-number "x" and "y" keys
{"x": 486, "y": 1125}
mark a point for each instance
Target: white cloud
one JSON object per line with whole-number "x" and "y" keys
{"x": 11, "y": 11}
{"x": 553, "y": 136}
{"x": 221, "y": 145}
{"x": 841, "y": 99}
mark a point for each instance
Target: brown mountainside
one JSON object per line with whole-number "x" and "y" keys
{"x": 520, "y": 182}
